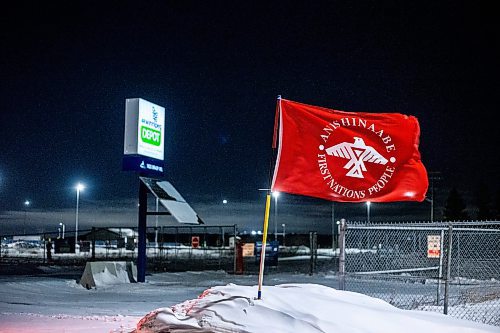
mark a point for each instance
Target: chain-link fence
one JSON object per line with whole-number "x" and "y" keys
{"x": 168, "y": 248}
{"x": 405, "y": 264}
{"x": 452, "y": 268}
{"x": 193, "y": 248}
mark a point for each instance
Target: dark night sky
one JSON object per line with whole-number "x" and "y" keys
{"x": 217, "y": 67}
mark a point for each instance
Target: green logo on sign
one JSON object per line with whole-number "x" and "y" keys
{"x": 151, "y": 136}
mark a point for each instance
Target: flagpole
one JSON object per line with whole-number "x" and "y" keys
{"x": 264, "y": 243}
{"x": 268, "y": 200}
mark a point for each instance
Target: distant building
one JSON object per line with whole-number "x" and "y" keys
{"x": 112, "y": 237}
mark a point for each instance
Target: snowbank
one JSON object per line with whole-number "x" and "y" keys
{"x": 303, "y": 308}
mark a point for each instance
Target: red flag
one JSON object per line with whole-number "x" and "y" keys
{"x": 348, "y": 156}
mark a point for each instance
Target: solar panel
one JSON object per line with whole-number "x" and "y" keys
{"x": 172, "y": 200}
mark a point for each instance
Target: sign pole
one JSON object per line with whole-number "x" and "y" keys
{"x": 264, "y": 241}
{"x": 440, "y": 272}
{"x": 141, "y": 246}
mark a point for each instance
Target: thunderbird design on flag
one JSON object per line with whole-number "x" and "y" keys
{"x": 357, "y": 153}
{"x": 348, "y": 156}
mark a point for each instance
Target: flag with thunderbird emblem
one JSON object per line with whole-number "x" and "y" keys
{"x": 348, "y": 156}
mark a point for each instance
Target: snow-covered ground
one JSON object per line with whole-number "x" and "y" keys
{"x": 297, "y": 303}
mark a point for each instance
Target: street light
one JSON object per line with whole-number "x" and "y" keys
{"x": 368, "y": 203}
{"x": 276, "y": 195}
{"x": 433, "y": 175}
{"x": 26, "y": 205}
{"x": 283, "y": 225}
{"x": 63, "y": 227}
{"x": 79, "y": 187}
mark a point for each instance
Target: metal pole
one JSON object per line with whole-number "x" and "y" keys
{"x": 333, "y": 227}
{"x": 24, "y": 224}
{"x": 26, "y": 205}
{"x": 448, "y": 270}
{"x": 432, "y": 209}
{"x": 433, "y": 176}
{"x": 368, "y": 203}
{"x": 440, "y": 273}
{"x": 234, "y": 248}
{"x": 156, "y": 225}
{"x": 76, "y": 220}
{"x": 283, "y": 234}
{"x": 311, "y": 250}
{"x": 93, "y": 242}
{"x": 275, "y": 217}
{"x": 141, "y": 250}
{"x": 263, "y": 250}
{"x": 343, "y": 228}
{"x": 44, "y": 246}
{"x": 458, "y": 254}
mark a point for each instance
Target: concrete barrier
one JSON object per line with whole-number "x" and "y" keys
{"x": 103, "y": 273}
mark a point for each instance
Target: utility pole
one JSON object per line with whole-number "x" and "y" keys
{"x": 433, "y": 175}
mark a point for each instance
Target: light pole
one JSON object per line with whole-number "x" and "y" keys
{"x": 432, "y": 207}
{"x": 79, "y": 187}
{"x": 276, "y": 195}
{"x": 26, "y": 205}
{"x": 368, "y": 203}
{"x": 283, "y": 225}
{"x": 433, "y": 175}
{"x": 226, "y": 211}
{"x": 63, "y": 227}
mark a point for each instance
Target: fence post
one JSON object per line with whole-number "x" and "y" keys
{"x": 44, "y": 246}
{"x": 313, "y": 244}
{"x": 176, "y": 250}
{"x": 221, "y": 245}
{"x": 448, "y": 270}
{"x": 191, "y": 242}
{"x": 93, "y": 243}
{"x": 458, "y": 253}
{"x": 234, "y": 248}
{"x": 440, "y": 272}
{"x": 343, "y": 227}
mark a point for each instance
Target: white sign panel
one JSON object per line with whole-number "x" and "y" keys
{"x": 433, "y": 246}
{"x": 144, "y": 129}
{"x": 150, "y": 130}
{"x": 248, "y": 249}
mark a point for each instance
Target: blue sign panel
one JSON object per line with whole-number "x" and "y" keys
{"x": 144, "y": 165}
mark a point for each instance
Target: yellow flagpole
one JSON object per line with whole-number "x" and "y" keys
{"x": 268, "y": 202}
{"x": 264, "y": 241}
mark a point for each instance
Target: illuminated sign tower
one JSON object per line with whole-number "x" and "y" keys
{"x": 144, "y": 140}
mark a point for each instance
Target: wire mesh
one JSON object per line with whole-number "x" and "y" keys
{"x": 407, "y": 266}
